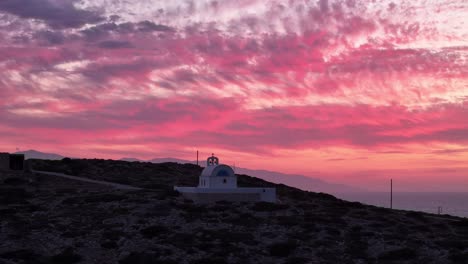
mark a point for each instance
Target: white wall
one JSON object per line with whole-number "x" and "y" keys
{"x": 266, "y": 194}
{"x": 217, "y": 182}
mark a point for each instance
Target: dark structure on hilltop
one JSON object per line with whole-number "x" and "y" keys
{"x": 11, "y": 161}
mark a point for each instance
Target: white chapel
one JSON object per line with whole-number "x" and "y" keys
{"x": 216, "y": 175}
{"x": 218, "y": 182}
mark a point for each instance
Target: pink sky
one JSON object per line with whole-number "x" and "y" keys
{"x": 348, "y": 91}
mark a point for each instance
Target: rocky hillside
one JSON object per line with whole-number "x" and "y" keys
{"x": 45, "y": 219}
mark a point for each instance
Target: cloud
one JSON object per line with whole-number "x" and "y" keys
{"x": 242, "y": 77}
{"x": 104, "y": 30}
{"x": 114, "y": 44}
{"x": 48, "y": 37}
{"x": 57, "y": 14}
{"x": 224, "y": 123}
{"x": 148, "y": 26}
{"x": 138, "y": 69}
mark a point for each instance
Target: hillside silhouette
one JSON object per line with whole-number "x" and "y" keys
{"x": 47, "y": 219}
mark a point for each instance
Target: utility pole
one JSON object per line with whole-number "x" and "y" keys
{"x": 197, "y": 157}
{"x": 391, "y": 193}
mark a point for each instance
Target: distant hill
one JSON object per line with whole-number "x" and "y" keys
{"x": 163, "y": 160}
{"x": 34, "y": 154}
{"x": 132, "y": 160}
{"x": 299, "y": 181}
{"x": 294, "y": 180}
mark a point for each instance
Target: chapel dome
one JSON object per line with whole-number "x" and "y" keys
{"x": 214, "y": 169}
{"x": 220, "y": 170}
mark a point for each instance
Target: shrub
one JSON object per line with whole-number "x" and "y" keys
{"x": 310, "y": 227}
{"x": 244, "y": 219}
{"x": 109, "y": 244}
{"x": 399, "y": 254}
{"x": 355, "y": 205}
{"x": 66, "y": 191}
{"x": 440, "y": 225}
{"x": 458, "y": 257}
{"x": 282, "y": 249}
{"x": 357, "y": 249}
{"x": 211, "y": 260}
{"x": 153, "y": 231}
{"x": 105, "y": 198}
{"x": 452, "y": 244}
{"x": 7, "y": 212}
{"x": 159, "y": 210}
{"x": 112, "y": 234}
{"x": 360, "y": 213}
{"x": 13, "y": 195}
{"x": 297, "y": 260}
{"x": 228, "y": 236}
{"x": 461, "y": 223}
{"x": 226, "y": 203}
{"x": 328, "y": 256}
{"x": 72, "y": 200}
{"x": 66, "y": 160}
{"x": 355, "y": 245}
{"x": 72, "y": 233}
{"x": 169, "y": 193}
{"x": 21, "y": 254}
{"x": 139, "y": 258}
{"x": 295, "y": 194}
{"x": 268, "y": 207}
{"x": 220, "y": 208}
{"x": 417, "y": 216}
{"x": 421, "y": 228}
{"x": 67, "y": 256}
{"x": 189, "y": 207}
{"x": 78, "y": 166}
{"x": 14, "y": 181}
{"x": 332, "y": 231}
{"x": 182, "y": 240}
{"x": 300, "y": 236}
{"x": 168, "y": 261}
{"x": 288, "y": 221}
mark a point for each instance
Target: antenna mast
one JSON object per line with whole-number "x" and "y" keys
{"x": 391, "y": 193}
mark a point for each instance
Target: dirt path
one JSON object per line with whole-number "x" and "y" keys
{"x": 111, "y": 184}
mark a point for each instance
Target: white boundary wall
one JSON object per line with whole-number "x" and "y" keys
{"x": 228, "y": 194}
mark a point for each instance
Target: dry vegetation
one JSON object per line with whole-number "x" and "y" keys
{"x": 45, "y": 219}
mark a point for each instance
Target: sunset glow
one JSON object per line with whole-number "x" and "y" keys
{"x": 348, "y": 91}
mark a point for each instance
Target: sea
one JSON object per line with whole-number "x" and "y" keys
{"x": 452, "y": 203}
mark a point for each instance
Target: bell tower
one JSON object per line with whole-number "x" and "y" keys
{"x": 212, "y": 161}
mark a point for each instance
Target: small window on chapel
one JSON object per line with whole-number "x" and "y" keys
{"x": 224, "y": 180}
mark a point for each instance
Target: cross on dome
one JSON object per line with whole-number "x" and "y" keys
{"x": 212, "y": 161}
